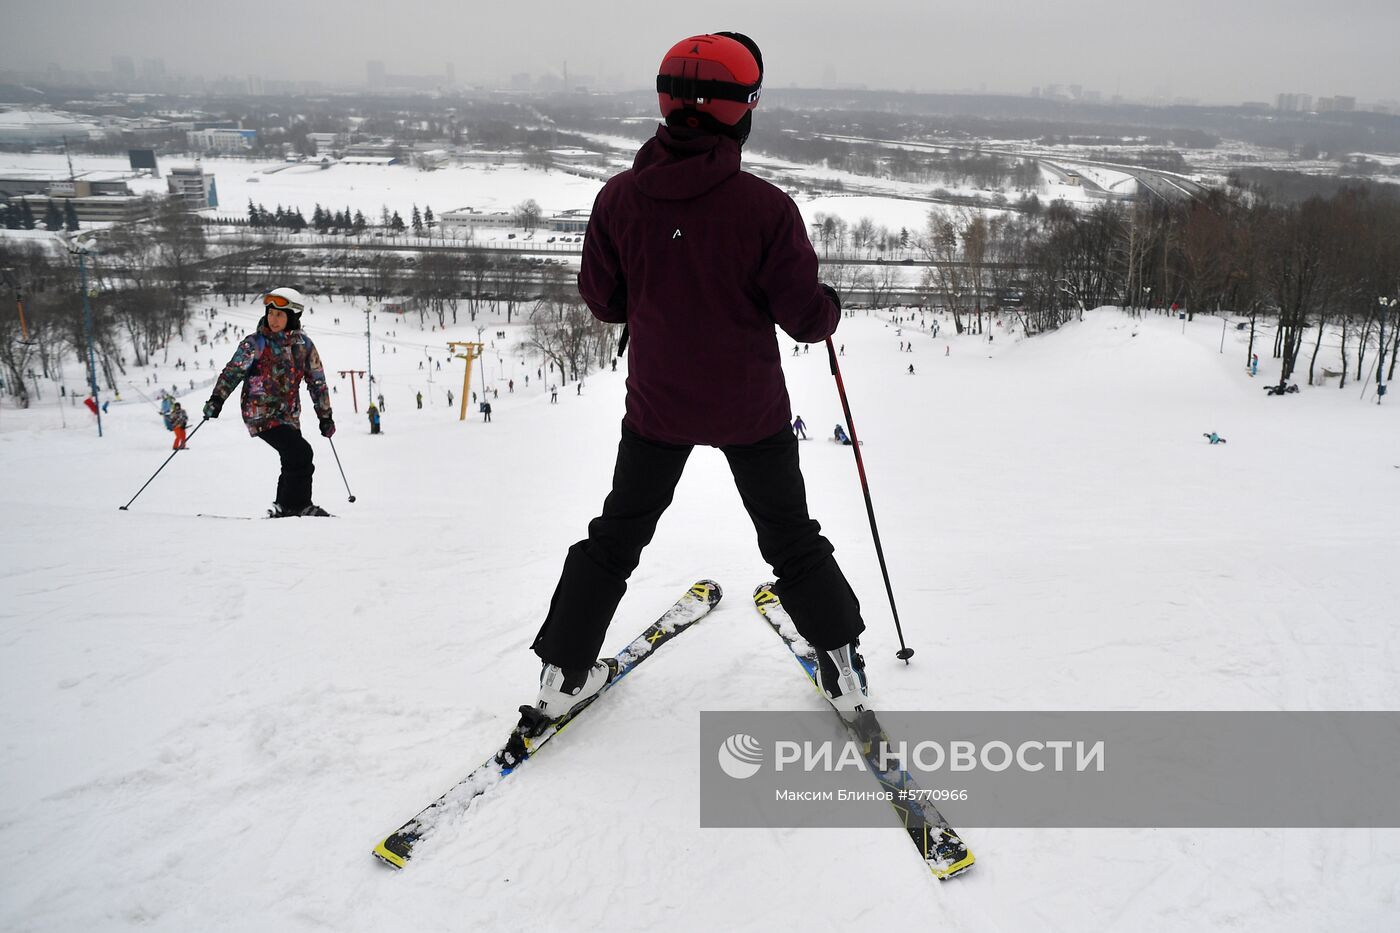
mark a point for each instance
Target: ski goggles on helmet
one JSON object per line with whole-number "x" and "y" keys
{"x": 280, "y": 302}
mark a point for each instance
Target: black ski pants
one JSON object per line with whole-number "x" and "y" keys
{"x": 294, "y": 484}
{"x": 769, "y": 479}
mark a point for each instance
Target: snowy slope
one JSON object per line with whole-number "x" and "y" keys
{"x": 207, "y": 724}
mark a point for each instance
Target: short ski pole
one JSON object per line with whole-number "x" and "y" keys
{"x": 905, "y": 652}
{"x": 342, "y": 471}
{"x": 162, "y": 466}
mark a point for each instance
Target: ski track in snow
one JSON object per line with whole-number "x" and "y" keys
{"x": 208, "y": 724}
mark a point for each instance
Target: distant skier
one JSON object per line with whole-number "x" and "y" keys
{"x": 700, "y": 259}
{"x": 553, "y": 395}
{"x": 486, "y": 412}
{"x": 1253, "y": 365}
{"x": 1214, "y": 438}
{"x": 179, "y": 420}
{"x": 799, "y": 427}
{"x": 420, "y": 400}
{"x": 271, "y": 363}
{"x": 911, "y": 369}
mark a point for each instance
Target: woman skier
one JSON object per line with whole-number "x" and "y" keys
{"x": 700, "y": 259}
{"x": 271, "y": 363}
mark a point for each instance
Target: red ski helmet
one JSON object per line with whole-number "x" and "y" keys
{"x": 718, "y": 74}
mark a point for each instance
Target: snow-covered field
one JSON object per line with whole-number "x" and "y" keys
{"x": 207, "y": 724}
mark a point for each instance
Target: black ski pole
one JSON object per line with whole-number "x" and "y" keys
{"x": 342, "y": 471}
{"x": 162, "y": 466}
{"x": 905, "y": 652}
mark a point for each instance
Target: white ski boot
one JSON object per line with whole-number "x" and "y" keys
{"x": 561, "y": 691}
{"x": 841, "y": 674}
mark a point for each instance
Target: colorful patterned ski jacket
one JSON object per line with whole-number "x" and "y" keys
{"x": 271, "y": 367}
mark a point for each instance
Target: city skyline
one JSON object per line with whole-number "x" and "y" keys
{"x": 1138, "y": 51}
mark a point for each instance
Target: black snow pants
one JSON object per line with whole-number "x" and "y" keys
{"x": 294, "y": 484}
{"x": 769, "y": 479}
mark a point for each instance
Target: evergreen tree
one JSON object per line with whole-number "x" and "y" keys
{"x": 9, "y": 216}
{"x": 70, "y": 216}
{"x": 417, "y": 221}
{"x": 53, "y": 219}
{"x": 428, "y": 219}
{"x": 253, "y": 219}
{"x": 295, "y": 221}
{"x": 384, "y": 215}
{"x": 396, "y": 223}
{"x": 318, "y": 219}
{"x": 360, "y": 223}
{"x": 26, "y": 216}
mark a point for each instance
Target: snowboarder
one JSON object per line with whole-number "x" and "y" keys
{"x": 700, "y": 300}
{"x": 799, "y": 427}
{"x": 911, "y": 369}
{"x": 1214, "y": 438}
{"x": 179, "y": 420}
{"x": 373, "y": 413}
{"x": 839, "y": 436}
{"x": 271, "y": 363}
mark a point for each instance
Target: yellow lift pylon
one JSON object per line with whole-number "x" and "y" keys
{"x": 472, "y": 352}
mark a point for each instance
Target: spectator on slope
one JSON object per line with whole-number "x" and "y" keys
{"x": 271, "y": 363}
{"x": 700, "y": 259}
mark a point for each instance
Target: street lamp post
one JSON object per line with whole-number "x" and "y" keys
{"x": 1386, "y": 305}
{"x": 75, "y": 245}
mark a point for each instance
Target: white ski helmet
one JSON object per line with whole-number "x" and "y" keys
{"x": 289, "y": 300}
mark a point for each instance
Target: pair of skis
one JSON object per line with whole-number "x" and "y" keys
{"x": 943, "y": 851}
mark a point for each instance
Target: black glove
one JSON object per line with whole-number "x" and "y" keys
{"x": 831, "y": 293}
{"x": 213, "y": 407}
{"x": 327, "y": 426}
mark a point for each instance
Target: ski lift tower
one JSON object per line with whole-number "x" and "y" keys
{"x": 465, "y": 350}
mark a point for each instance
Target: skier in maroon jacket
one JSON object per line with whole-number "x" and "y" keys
{"x": 700, "y": 260}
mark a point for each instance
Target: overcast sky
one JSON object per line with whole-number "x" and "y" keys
{"x": 1222, "y": 51}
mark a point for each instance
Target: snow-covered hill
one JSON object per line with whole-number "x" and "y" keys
{"x": 207, "y": 724}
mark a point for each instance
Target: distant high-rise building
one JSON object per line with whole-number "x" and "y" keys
{"x": 375, "y": 72}
{"x": 123, "y": 69}
{"x": 153, "y": 71}
{"x": 1344, "y": 104}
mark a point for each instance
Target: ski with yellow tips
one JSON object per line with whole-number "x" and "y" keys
{"x": 534, "y": 729}
{"x": 942, "y": 848}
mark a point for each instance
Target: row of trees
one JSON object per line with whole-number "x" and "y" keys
{"x": 20, "y": 216}
{"x": 140, "y": 282}
{"x": 1315, "y": 268}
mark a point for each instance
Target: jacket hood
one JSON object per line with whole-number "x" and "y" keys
{"x": 676, "y": 166}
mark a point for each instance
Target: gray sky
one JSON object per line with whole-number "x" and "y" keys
{"x": 1221, "y": 51}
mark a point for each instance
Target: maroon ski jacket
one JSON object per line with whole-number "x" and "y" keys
{"x": 700, "y": 260}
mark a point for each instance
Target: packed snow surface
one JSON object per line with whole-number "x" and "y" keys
{"x": 207, "y": 724}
